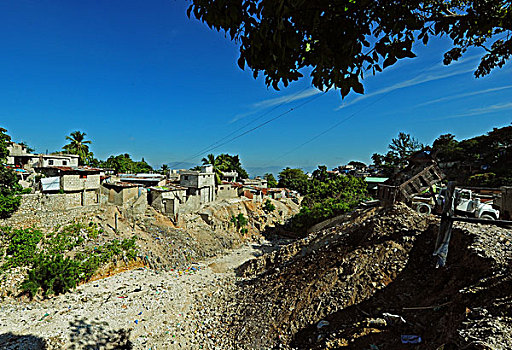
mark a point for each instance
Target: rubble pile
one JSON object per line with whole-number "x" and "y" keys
{"x": 372, "y": 284}
{"x": 367, "y": 283}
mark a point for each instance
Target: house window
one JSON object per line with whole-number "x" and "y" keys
{"x": 186, "y": 177}
{"x": 64, "y": 162}
{"x": 50, "y": 162}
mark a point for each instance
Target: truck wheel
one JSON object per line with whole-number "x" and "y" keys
{"x": 423, "y": 209}
{"x": 487, "y": 217}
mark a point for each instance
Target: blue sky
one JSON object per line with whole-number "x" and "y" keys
{"x": 141, "y": 78}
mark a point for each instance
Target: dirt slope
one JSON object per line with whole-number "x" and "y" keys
{"x": 358, "y": 275}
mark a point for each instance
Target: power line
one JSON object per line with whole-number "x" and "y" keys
{"x": 290, "y": 98}
{"x": 221, "y": 142}
{"x": 347, "y": 118}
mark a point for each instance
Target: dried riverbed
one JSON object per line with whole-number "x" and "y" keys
{"x": 139, "y": 309}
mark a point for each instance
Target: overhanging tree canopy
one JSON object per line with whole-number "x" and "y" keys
{"x": 341, "y": 40}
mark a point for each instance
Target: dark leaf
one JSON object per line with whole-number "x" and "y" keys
{"x": 389, "y": 61}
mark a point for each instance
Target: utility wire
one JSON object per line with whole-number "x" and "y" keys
{"x": 225, "y": 140}
{"x": 348, "y": 118}
{"x": 290, "y": 98}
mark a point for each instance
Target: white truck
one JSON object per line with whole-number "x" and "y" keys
{"x": 468, "y": 205}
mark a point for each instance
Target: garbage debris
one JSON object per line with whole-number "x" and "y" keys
{"x": 322, "y": 324}
{"x": 410, "y": 339}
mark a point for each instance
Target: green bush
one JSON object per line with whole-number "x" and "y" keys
{"x": 50, "y": 271}
{"x": 54, "y": 275}
{"x": 239, "y": 221}
{"x": 65, "y": 239}
{"x": 268, "y": 206}
{"x": 327, "y": 197}
{"x": 22, "y": 245}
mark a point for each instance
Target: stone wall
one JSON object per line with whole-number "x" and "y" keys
{"x": 90, "y": 198}
{"x": 51, "y": 202}
{"x": 92, "y": 182}
{"x": 71, "y": 183}
{"x": 226, "y": 192}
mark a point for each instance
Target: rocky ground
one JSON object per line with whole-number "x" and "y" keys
{"x": 139, "y": 309}
{"x": 371, "y": 283}
{"x": 367, "y": 283}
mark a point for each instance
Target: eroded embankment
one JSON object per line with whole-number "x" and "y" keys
{"x": 356, "y": 275}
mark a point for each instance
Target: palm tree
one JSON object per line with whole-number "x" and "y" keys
{"x": 79, "y": 146}
{"x": 215, "y": 162}
{"x": 164, "y": 169}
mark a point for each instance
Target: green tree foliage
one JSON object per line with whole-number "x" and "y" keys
{"x": 164, "y": 169}
{"x": 240, "y": 222}
{"x": 22, "y": 245}
{"x": 293, "y": 179}
{"x": 400, "y": 148}
{"x": 484, "y": 160}
{"x": 447, "y": 149}
{"x": 404, "y": 145}
{"x": 123, "y": 163}
{"x": 340, "y": 41}
{"x": 53, "y": 274}
{"x": 80, "y": 146}
{"x": 357, "y": 164}
{"x": 9, "y": 186}
{"x": 271, "y": 180}
{"x": 225, "y": 163}
{"x": 59, "y": 260}
{"x": 327, "y": 196}
{"x": 268, "y": 207}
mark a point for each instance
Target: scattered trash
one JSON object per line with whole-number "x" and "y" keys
{"x": 377, "y": 322}
{"x": 322, "y": 323}
{"x": 44, "y": 316}
{"x": 410, "y": 339}
{"x": 393, "y": 319}
{"x": 136, "y": 321}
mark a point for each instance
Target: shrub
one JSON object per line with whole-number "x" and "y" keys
{"x": 328, "y": 198}
{"x": 240, "y": 221}
{"x": 50, "y": 271}
{"x": 268, "y": 206}
{"x": 22, "y": 245}
{"x": 54, "y": 275}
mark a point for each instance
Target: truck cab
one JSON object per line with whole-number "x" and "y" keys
{"x": 469, "y": 205}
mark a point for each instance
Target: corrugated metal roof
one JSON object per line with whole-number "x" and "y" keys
{"x": 375, "y": 179}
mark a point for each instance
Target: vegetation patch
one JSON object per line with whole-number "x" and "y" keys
{"x": 268, "y": 207}
{"x": 22, "y": 246}
{"x": 63, "y": 258}
{"x": 325, "y": 195}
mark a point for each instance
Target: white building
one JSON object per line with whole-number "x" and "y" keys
{"x": 199, "y": 183}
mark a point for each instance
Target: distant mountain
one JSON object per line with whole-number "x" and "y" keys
{"x": 253, "y": 171}
{"x": 181, "y": 165}
{"x": 275, "y": 170}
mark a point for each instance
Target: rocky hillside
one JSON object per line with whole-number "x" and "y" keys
{"x": 371, "y": 283}
{"x": 160, "y": 243}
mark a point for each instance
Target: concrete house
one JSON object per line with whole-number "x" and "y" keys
{"x": 147, "y": 180}
{"x": 80, "y": 184}
{"x": 227, "y": 190}
{"x": 199, "y": 183}
{"x": 229, "y": 176}
{"x": 256, "y": 182}
{"x": 121, "y": 193}
{"x": 49, "y": 160}
{"x": 169, "y": 200}
{"x": 18, "y": 156}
